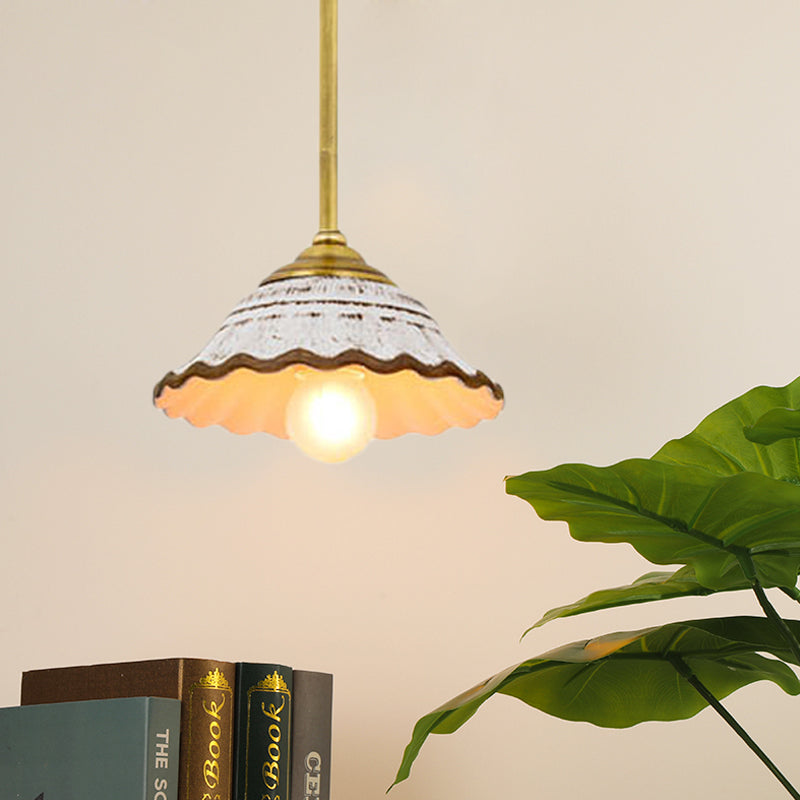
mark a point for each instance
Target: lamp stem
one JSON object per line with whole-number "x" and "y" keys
{"x": 328, "y": 118}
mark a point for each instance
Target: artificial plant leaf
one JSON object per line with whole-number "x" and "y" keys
{"x": 648, "y": 588}
{"x": 719, "y": 443}
{"x": 777, "y": 424}
{"x": 621, "y": 679}
{"x": 724, "y": 527}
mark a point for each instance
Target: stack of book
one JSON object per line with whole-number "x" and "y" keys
{"x": 169, "y": 729}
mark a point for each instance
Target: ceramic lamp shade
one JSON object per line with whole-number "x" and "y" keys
{"x": 247, "y": 374}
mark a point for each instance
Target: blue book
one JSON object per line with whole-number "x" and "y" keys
{"x": 119, "y": 749}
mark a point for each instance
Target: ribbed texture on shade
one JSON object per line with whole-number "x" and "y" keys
{"x": 244, "y": 377}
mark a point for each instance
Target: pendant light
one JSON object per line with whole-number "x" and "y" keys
{"x": 328, "y": 351}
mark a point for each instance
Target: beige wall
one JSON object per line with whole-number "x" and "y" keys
{"x": 597, "y": 200}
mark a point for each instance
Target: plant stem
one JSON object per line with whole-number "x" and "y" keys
{"x": 792, "y": 592}
{"x": 749, "y": 569}
{"x": 772, "y": 614}
{"x": 685, "y": 671}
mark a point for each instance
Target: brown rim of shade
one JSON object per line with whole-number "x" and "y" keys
{"x": 446, "y": 369}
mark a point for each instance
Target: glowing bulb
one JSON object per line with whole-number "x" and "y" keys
{"x": 331, "y": 415}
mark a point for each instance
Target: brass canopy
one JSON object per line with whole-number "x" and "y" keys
{"x": 329, "y": 255}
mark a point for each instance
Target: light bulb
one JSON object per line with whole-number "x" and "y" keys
{"x": 331, "y": 415}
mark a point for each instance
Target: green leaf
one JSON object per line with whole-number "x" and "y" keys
{"x": 724, "y": 527}
{"x": 621, "y": 679}
{"x": 780, "y": 423}
{"x": 719, "y": 444}
{"x": 650, "y": 587}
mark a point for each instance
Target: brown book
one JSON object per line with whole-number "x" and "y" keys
{"x": 205, "y": 689}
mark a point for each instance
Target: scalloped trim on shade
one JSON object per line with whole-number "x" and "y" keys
{"x": 244, "y": 377}
{"x": 245, "y": 401}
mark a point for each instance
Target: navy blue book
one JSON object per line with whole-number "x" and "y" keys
{"x": 263, "y": 733}
{"x": 119, "y": 749}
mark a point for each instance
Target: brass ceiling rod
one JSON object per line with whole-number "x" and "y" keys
{"x": 329, "y": 232}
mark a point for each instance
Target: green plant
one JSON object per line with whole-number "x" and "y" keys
{"x": 723, "y": 502}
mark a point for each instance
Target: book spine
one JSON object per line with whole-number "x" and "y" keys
{"x": 312, "y": 711}
{"x": 263, "y": 732}
{"x": 163, "y": 749}
{"x": 207, "y": 735}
